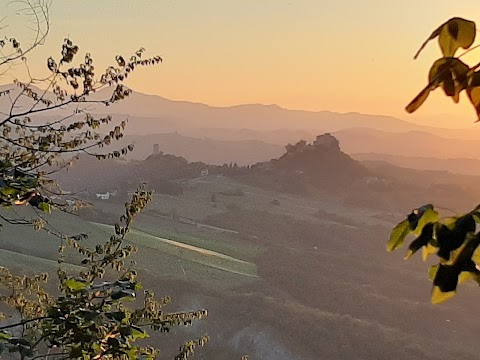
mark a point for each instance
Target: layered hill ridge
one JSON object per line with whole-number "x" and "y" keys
{"x": 319, "y": 164}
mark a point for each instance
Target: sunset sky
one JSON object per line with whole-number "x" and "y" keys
{"x": 342, "y": 55}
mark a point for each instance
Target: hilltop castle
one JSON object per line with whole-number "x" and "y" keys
{"x": 325, "y": 141}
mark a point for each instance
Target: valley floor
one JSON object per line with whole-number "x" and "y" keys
{"x": 291, "y": 279}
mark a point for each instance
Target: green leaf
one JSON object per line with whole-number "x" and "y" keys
{"x": 9, "y": 191}
{"x": 438, "y": 296}
{"x": 476, "y": 256}
{"x": 453, "y": 34}
{"x": 398, "y": 235}
{"x": 75, "y": 285}
{"x": 427, "y": 251}
{"x": 465, "y": 276}
{"x": 429, "y": 216}
{"x": 138, "y": 287}
{"x": 138, "y": 333}
{"x": 473, "y": 91}
{"x": 445, "y": 283}
{"x": 45, "y": 207}
{"x": 419, "y": 99}
{"x": 132, "y": 353}
{"x": 415, "y": 223}
{"x": 4, "y": 335}
{"x": 432, "y": 272}
{"x": 451, "y": 75}
{"x": 425, "y": 238}
{"x": 476, "y": 216}
{"x": 456, "y": 33}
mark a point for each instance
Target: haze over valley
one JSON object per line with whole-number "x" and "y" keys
{"x": 237, "y": 217}
{"x": 228, "y": 180}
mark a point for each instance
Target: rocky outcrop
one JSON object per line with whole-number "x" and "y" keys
{"x": 320, "y": 163}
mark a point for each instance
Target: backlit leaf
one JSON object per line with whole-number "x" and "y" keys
{"x": 425, "y": 238}
{"x": 432, "y": 272}
{"x": 75, "y": 285}
{"x": 138, "y": 333}
{"x": 419, "y": 99}
{"x": 398, "y": 235}
{"x": 444, "y": 283}
{"x": 45, "y": 207}
{"x": 429, "y": 215}
{"x": 449, "y": 73}
{"x": 439, "y": 296}
{"x": 476, "y": 257}
{"x": 473, "y": 92}
{"x": 466, "y": 276}
{"x": 427, "y": 251}
{"x": 454, "y": 34}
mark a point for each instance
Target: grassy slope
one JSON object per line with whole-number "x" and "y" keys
{"x": 31, "y": 250}
{"x": 326, "y": 291}
{"x": 188, "y": 253}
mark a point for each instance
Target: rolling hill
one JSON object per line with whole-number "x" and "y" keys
{"x": 360, "y": 302}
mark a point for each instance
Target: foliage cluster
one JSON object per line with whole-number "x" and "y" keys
{"x": 449, "y": 72}
{"x": 90, "y": 319}
{"x": 455, "y": 240}
{"x": 100, "y": 312}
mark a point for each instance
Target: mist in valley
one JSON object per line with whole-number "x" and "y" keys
{"x": 274, "y": 140}
{"x": 289, "y": 248}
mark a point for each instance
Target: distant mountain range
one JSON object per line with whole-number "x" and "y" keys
{"x": 412, "y": 143}
{"x": 457, "y": 166}
{"x": 253, "y": 133}
{"x": 154, "y": 114}
{"x": 150, "y": 111}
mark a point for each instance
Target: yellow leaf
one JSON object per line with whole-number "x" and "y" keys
{"x": 455, "y": 254}
{"x": 419, "y": 99}
{"x": 428, "y": 216}
{"x": 476, "y": 257}
{"x": 397, "y": 237}
{"x": 439, "y": 297}
{"x": 453, "y": 34}
{"x": 456, "y": 33}
{"x": 473, "y": 92}
{"x": 432, "y": 272}
{"x": 409, "y": 255}
{"x": 449, "y": 73}
{"x": 427, "y": 251}
{"x": 465, "y": 276}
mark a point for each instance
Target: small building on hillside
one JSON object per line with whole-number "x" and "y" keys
{"x": 104, "y": 196}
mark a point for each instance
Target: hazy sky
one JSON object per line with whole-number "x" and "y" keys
{"x": 339, "y": 55}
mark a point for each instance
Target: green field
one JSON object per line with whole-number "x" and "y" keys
{"x": 210, "y": 262}
{"x": 17, "y": 262}
{"x": 187, "y": 253}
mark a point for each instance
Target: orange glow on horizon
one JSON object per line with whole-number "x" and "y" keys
{"x": 304, "y": 54}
